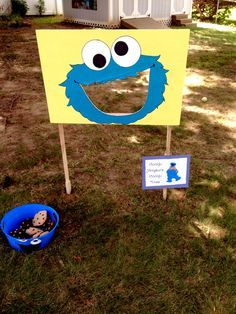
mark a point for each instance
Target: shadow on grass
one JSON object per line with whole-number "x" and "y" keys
{"x": 219, "y": 60}
{"x": 220, "y": 98}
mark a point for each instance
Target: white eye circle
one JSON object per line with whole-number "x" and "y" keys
{"x": 35, "y": 241}
{"x": 126, "y": 51}
{"x": 96, "y": 55}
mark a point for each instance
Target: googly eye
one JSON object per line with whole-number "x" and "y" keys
{"x": 96, "y": 55}
{"x": 35, "y": 242}
{"x": 126, "y": 51}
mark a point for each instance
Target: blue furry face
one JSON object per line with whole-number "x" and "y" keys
{"x": 102, "y": 65}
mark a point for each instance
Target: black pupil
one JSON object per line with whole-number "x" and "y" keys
{"x": 121, "y": 48}
{"x": 99, "y": 61}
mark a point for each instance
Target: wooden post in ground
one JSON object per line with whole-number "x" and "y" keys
{"x": 167, "y": 152}
{"x": 64, "y": 158}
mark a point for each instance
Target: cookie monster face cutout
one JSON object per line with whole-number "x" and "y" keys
{"x": 102, "y": 65}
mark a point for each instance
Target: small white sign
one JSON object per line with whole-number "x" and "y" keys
{"x": 166, "y": 172}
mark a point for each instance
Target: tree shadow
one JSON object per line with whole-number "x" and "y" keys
{"x": 220, "y": 98}
{"x": 217, "y": 53}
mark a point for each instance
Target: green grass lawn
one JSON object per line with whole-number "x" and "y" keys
{"x": 119, "y": 249}
{"x": 232, "y": 18}
{"x": 47, "y": 20}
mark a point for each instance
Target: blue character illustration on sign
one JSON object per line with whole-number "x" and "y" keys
{"x": 172, "y": 173}
{"x": 102, "y": 65}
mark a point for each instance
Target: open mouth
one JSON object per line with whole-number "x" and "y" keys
{"x": 120, "y": 97}
{"x": 129, "y": 94}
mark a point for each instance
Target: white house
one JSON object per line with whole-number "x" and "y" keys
{"x": 108, "y": 13}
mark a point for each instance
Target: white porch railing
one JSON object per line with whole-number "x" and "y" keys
{"x": 180, "y": 6}
{"x": 135, "y": 8}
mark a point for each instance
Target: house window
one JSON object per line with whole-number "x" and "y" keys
{"x": 84, "y": 4}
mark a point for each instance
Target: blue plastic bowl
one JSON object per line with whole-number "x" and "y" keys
{"x": 14, "y": 217}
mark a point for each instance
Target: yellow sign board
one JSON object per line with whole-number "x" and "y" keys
{"x": 72, "y": 60}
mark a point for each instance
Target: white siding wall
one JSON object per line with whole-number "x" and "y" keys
{"x": 5, "y": 7}
{"x": 59, "y": 7}
{"x": 52, "y": 7}
{"x": 99, "y": 15}
{"x": 189, "y": 7}
{"x": 116, "y": 11}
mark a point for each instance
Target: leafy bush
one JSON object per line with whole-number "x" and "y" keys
{"x": 11, "y": 21}
{"x": 223, "y": 16}
{"x": 204, "y": 9}
{"x": 15, "y": 21}
{"x": 19, "y": 7}
{"x": 41, "y": 7}
{"x": 4, "y": 22}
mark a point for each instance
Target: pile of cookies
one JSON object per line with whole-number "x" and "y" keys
{"x": 40, "y": 225}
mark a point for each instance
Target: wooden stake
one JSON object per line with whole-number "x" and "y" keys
{"x": 64, "y": 158}
{"x": 167, "y": 152}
